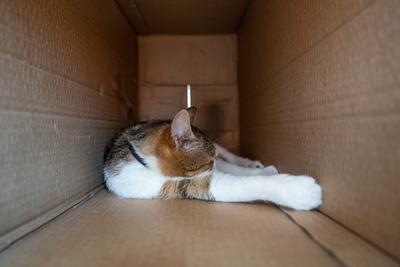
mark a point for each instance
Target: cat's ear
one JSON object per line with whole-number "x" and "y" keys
{"x": 192, "y": 112}
{"x": 181, "y": 129}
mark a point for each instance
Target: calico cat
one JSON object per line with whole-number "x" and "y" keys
{"x": 175, "y": 160}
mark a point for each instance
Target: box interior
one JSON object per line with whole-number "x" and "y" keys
{"x": 311, "y": 87}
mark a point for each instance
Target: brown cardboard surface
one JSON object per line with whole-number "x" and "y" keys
{"x": 61, "y": 39}
{"x": 332, "y": 112}
{"x": 24, "y": 88}
{"x": 184, "y": 17}
{"x": 282, "y": 30}
{"x": 346, "y": 246}
{"x": 67, "y": 79}
{"x": 208, "y": 63}
{"x": 46, "y": 160}
{"x": 229, "y": 139}
{"x": 18, "y": 233}
{"x": 319, "y": 95}
{"x": 178, "y": 60}
{"x": 217, "y": 105}
{"x": 134, "y": 16}
{"x": 108, "y": 231}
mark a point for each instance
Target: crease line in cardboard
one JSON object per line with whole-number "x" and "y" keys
{"x": 20, "y": 232}
{"x": 243, "y": 16}
{"x": 385, "y": 115}
{"x": 55, "y": 114}
{"x": 342, "y": 97}
{"x": 375, "y": 246}
{"x": 43, "y": 69}
{"x": 326, "y": 249}
{"x": 135, "y": 8}
{"x": 141, "y": 17}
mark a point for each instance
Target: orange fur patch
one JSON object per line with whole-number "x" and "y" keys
{"x": 171, "y": 161}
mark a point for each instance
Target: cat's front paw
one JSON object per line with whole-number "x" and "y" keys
{"x": 300, "y": 193}
{"x": 269, "y": 170}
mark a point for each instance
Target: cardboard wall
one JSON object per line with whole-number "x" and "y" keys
{"x": 208, "y": 62}
{"x": 319, "y": 94}
{"x": 67, "y": 83}
{"x": 184, "y": 17}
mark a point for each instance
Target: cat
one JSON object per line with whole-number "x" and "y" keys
{"x": 175, "y": 160}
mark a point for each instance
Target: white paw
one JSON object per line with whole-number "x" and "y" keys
{"x": 269, "y": 170}
{"x": 300, "y": 192}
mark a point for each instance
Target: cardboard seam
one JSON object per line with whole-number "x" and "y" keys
{"x": 135, "y": 7}
{"x": 19, "y": 233}
{"x": 77, "y": 85}
{"x": 43, "y": 69}
{"x": 126, "y": 18}
{"x": 343, "y": 99}
{"x": 331, "y": 253}
{"x": 387, "y": 115}
{"x": 369, "y": 242}
{"x": 55, "y": 114}
{"x": 37, "y": 65}
{"x": 243, "y": 16}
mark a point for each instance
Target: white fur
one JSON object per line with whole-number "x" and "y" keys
{"x": 229, "y": 183}
{"x": 232, "y": 158}
{"x": 136, "y": 181}
{"x": 297, "y": 192}
{"x": 231, "y": 168}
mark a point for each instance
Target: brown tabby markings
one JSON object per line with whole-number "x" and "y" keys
{"x": 171, "y": 161}
{"x": 179, "y": 149}
{"x": 195, "y": 188}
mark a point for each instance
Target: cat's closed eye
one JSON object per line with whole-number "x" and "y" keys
{"x": 200, "y": 167}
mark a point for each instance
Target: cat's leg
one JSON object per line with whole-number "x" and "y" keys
{"x": 232, "y": 158}
{"x": 297, "y": 192}
{"x": 234, "y": 169}
{"x": 136, "y": 181}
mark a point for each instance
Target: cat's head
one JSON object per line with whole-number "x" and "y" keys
{"x": 185, "y": 150}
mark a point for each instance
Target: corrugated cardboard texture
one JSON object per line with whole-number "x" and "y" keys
{"x": 208, "y": 63}
{"x": 346, "y": 246}
{"x": 184, "y": 17}
{"x": 107, "y": 231}
{"x": 320, "y": 95}
{"x": 198, "y": 60}
{"x": 67, "y": 82}
{"x": 133, "y": 16}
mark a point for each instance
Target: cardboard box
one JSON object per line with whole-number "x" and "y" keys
{"x": 309, "y": 86}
